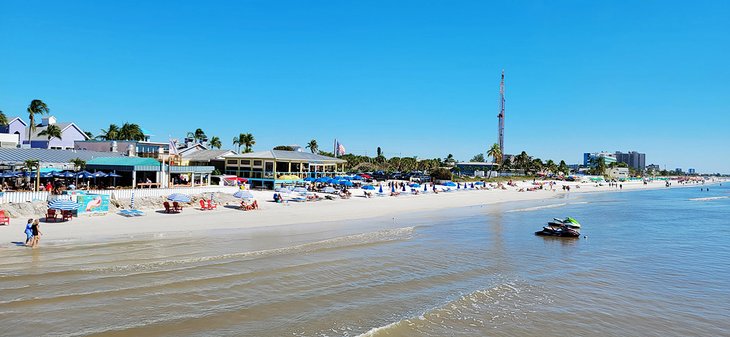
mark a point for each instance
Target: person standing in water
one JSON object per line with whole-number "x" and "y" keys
{"x": 36, "y": 233}
{"x": 28, "y": 232}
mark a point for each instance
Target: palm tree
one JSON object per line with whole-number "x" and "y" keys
{"x": 130, "y": 131}
{"x": 52, "y": 131}
{"x": 522, "y": 161}
{"x": 3, "y": 118}
{"x": 238, "y": 141}
{"x": 312, "y": 146}
{"x": 496, "y": 153}
{"x": 111, "y": 133}
{"x": 79, "y": 164}
{"x": 551, "y": 166}
{"x": 34, "y": 164}
{"x": 563, "y": 167}
{"x": 36, "y": 107}
{"x": 89, "y": 134}
{"x": 248, "y": 142}
{"x": 506, "y": 165}
{"x": 215, "y": 142}
{"x": 599, "y": 165}
{"x": 199, "y": 135}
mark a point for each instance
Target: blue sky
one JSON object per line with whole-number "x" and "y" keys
{"x": 413, "y": 77}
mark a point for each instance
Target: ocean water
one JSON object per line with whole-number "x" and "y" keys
{"x": 652, "y": 263}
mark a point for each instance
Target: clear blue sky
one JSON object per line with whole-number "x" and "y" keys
{"x": 414, "y": 77}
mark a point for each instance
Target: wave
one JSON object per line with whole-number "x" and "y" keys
{"x": 473, "y": 311}
{"x": 334, "y": 243}
{"x": 708, "y": 198}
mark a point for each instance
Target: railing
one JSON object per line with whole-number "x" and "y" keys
{"x": 18, "y": 197}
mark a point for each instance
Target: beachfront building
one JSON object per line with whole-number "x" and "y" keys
{"x": 15, "y": 134}
{"x": 148, "y": 172}
{"x": 130, "y": 148}
{"x": 49, "y": 160}
{"x": 618, "y": 172}
{"x": 269, "y": 169}
{"x": 476, "y": 169}
{"x": 215, "y": 158}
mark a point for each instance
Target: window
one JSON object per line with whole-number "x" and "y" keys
{"x": 246, "y": 162}
{"x": 257, "y": 163}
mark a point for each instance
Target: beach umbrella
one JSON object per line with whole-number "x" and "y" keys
{"x": 243, "y": 194}
{"x": 368, "y": 187}
{"x": 479, "y": 183}
{"x": 450, "y": 184}
{"x": 84, "y": 174}
{"x": 357, "y": 177}
{"x": 99, "y": 174}
{"x": 414, "y": 185}
{"x": 300, "y": 190}
{"x": 113, "y": 175}
{"x": 346, "y": 183}
{"x": 63, "y": 205}
{"x": 309, "y": 179}
{"x": 178, "y": 197}
{"x": 322, "y": 180}
{"x": 329, "y": 190}
{"x": 381, "y": 189}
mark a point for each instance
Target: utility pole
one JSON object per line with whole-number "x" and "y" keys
{"x": 501, "y": 115}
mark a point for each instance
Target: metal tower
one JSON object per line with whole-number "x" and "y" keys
{"x": 501, "y": 115}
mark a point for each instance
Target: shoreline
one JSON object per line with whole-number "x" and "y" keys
{"x": 113, "y": 227}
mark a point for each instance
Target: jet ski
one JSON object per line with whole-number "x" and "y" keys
{"x": 567, "y": 227}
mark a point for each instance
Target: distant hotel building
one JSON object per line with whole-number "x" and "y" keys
{"x": 633, "y": 159}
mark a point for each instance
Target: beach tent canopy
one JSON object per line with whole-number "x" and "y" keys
{"x": 63, "y": 205}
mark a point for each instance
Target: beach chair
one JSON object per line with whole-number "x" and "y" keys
{"x": 4, "y": 218}
{"x": 66, "y": 215}
{"x": 176, "y": 207}
{"x": 51, "y": 215}
{"x": 211, "y": 205}
{"x": 203, "y": 205}
{"x": 168, "y": 209}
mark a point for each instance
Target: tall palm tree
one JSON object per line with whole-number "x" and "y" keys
{"x": 215, "y": 142}
{"x": 3, "y": 118}
{"x": 111, "y": 133}
{"x": 36, "y": 107}
{"x": 238, "y": 141}
{"x": 199, "y": 135}
{"x": 496, "y": 153}
{"x": 563, "y": 167}
{"x": 248, "y": 142}
{"x": 551, "y": 166}
{"x": 130, "y": 131}
{"x": 312, "y": 146}
{"x": 79, "y": 164}
{"x": 52, "y": 131}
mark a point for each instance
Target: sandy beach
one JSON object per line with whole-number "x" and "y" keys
{"x": 99, "y": 228}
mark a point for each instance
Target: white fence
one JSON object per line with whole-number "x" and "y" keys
{"x": 18, "y": 197}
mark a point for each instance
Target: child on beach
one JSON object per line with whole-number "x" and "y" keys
{"x": 36, "y": 233}
{"x": 28, "y": 232}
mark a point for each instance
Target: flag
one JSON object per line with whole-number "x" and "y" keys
{"x": 173, "y": 147}
{"x": 340, "y": 149}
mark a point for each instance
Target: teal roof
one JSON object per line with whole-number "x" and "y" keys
{"x": 123, "y": 161}
{"x": 124, "y": 164}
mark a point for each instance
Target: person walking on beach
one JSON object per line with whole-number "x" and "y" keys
{"x": 28, "y": 232}
{"x": 36, "y": 233}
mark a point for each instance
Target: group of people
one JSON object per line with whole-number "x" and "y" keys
{"x": 32, "y": 233}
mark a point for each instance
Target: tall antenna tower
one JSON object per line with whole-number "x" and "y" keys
{"x": 501, "y": 115}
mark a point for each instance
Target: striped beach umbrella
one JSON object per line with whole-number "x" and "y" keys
{"x": 179, "y": 197}
{"x": 63, "y": 205}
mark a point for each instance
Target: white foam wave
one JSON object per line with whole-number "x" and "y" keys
{"x": 338, "y": 242}
{"x": 708, "y": 198}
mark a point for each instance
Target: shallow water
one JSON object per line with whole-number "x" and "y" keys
{"x": 654, "y": 263}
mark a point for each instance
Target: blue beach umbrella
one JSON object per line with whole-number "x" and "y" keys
{"x": 322, "y": 180}
{"x": 243, "y": 194}
{"x": 179, "y": 197}
{"x": 99, "y": 174}
{"x": 113, "y": 175}
{"x": 346, "y": 183}
{"x": 450, "y": 184}
{"x": 368, "y": 187}
{"x": 357, "y": 177}
{"x": 309, "y": 179}
{"x": 479, "y": 183}
{"x": 414, "y": 185}
{"x": 84, "y": 175}
{"x": 63, "y": 205}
